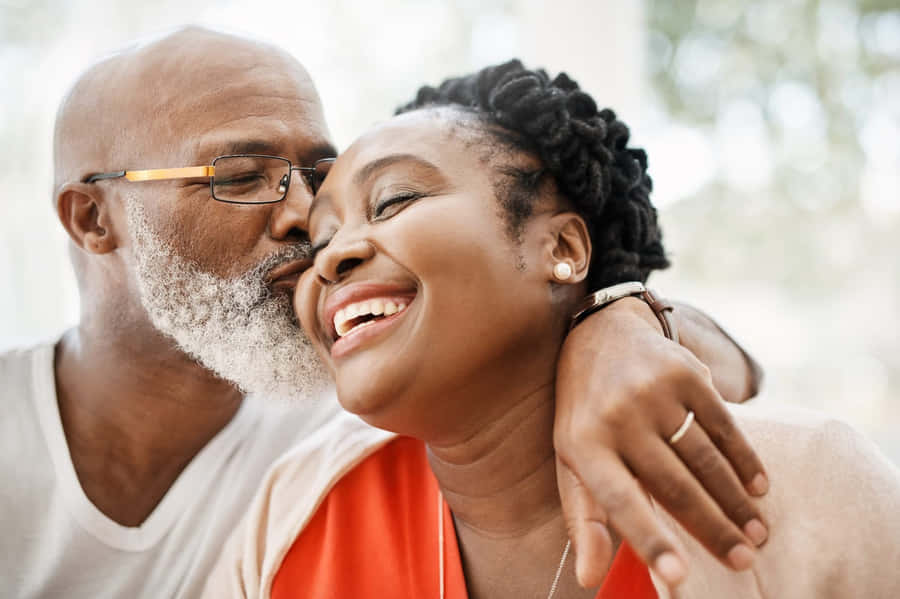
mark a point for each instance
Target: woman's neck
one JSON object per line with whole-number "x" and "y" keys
{"x": 500, "y": 484}
{"x": 501, "y": 480}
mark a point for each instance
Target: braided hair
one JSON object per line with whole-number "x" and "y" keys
{"x": 582, "y": 148}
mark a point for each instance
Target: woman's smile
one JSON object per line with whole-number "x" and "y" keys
{"x": 359, "y": 312}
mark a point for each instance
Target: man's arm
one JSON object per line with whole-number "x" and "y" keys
{"x": 622, "y": 390}
{"x": 735, "y": 374}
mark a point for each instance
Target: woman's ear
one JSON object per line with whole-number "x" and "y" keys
{"x": 83, "y": 210}
{"x": 569, "y": 255}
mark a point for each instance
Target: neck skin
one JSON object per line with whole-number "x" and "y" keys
{"x": 135, "y": 411}
{"x": 500, "y": 484}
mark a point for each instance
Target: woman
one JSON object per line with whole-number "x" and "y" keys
{"x": 454, "y": 244}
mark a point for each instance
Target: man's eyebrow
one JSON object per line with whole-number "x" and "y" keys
{"x": 246, "y": 146}
{"x": 260, "y": 146}
{"x": 370, "y": 169}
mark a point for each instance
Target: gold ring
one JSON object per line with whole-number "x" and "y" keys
{"x": 682, "y": 430}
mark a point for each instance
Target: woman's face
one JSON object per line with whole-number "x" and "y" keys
{"x": 421, "y": 302}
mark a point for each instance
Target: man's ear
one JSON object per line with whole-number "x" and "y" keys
{"x": 569, "y": 243}
{"x": 84, "y": 211}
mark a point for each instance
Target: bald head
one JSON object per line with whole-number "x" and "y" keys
{"x": 133, "y": 109}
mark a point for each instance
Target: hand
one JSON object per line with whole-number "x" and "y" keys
{"x": 622, "y": 390}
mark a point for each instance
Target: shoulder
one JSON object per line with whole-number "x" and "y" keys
{"x": 27, "y": 398}
{"x": 831, "y": 511}
{"x": 833, "y": 504}
{"x": 289, "y": 495}
{"x": 812, "y": 451}
{"x": 17, "y": 365}
{"x": 372, "y": 522}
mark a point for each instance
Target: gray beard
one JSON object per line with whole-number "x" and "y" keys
{"x": 234, "y": 327}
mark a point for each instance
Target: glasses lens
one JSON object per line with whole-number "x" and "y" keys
{"x": 250, "y": 179}
{"x": 319, "y": 172}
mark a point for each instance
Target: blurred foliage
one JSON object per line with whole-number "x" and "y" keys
{"x": 815, "y": 72}
{"x": 799, "y": 103}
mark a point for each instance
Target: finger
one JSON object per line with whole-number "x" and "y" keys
{"x": 716, "y": 420}
{"x": 716, "y": 475}
{"x": 669, "y": 482}
{"x": 614, "y": 490}
{"x": 586, "y": 525}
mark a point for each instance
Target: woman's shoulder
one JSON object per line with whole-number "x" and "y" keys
{"x": 810, "y": 449}
{"x": 377, "y": 521}
{"x": 831, "y": 511}
{"x": 290, "y": 493}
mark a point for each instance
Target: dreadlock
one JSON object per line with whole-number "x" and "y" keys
{"x": 582, "y": 148}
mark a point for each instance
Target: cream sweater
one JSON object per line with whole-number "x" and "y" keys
{"x": 833, "y": 512}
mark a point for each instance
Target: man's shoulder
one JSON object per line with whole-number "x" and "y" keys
{"x": 18, "y": 362}
{"x": 26, "y": 373}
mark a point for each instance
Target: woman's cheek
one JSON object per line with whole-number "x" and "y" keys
{"x": 306, "y": 301}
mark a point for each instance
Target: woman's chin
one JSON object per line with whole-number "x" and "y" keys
{"x": 361, "y": 397}
{"x": 383, "y": 406}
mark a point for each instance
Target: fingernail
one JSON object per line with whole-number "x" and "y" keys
{"x": 759, "y": 485}
{"x": 670, "y": 568}
{"x": 579, "y": 568}
{"x": 756, "y": 532}
{"x": 741, "y": 557}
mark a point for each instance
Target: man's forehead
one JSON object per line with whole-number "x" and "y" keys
{"x": 219, "y": 94}
{"x": 174, "y": 98}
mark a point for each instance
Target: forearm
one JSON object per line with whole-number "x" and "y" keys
{"x": 736, "y": 375}
{"x": 622, "y": 390}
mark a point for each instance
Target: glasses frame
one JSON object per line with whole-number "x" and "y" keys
{"x": 190, "y": 172}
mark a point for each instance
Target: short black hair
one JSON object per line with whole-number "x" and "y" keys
{"x": 583, "y": 148}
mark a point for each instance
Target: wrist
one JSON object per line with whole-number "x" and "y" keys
{"x": 607, "y": 296}
{"x": 630, "y": 309}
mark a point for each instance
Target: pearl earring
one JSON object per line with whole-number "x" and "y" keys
{"x": 562, "y": 271}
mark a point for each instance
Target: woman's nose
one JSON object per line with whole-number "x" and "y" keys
{"x": 339, "y": 258}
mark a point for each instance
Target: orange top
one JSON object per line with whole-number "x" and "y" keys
{"x": 375, "y": 535}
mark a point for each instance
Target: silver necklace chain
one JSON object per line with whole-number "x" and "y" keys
{"x": 440, "y": 507}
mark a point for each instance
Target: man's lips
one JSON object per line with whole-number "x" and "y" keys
{"x": 286, "y": 275}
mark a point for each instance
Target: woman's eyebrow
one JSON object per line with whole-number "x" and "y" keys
{"x": 372, "y": 168}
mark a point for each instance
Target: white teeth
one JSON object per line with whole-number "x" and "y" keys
{"x": 374, "y": 307}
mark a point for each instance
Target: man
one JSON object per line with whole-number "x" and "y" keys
{"x": 129, "y": 445}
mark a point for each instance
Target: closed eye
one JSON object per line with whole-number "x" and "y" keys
{"x": 393, "y": 205}
{"x": 241, "y": 179}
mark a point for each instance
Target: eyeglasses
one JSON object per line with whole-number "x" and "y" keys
{"x": 237, "y": 178}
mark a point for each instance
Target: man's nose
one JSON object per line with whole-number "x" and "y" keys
{"x": 288, "y": 221}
